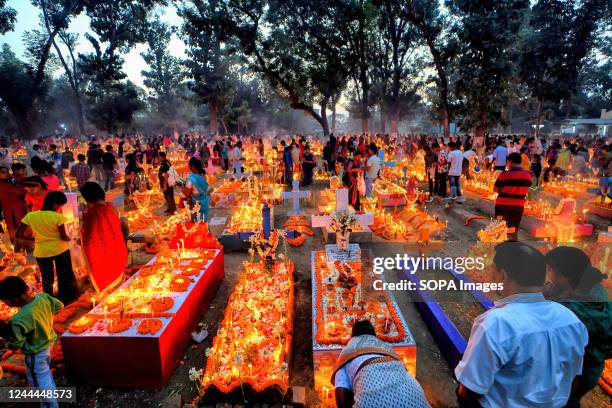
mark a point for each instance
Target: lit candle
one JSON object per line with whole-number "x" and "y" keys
{"x": 583, "y": 215}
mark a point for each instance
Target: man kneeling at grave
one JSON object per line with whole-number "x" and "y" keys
{"x": 370, "y": 374}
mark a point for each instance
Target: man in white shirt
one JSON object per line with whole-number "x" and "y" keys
{"x": 525, "y": 351}
{"x": 237, "y": 160}
{"x": 500, "y": 154}
{"x": 455, "y": 160}
{"x": 372, "y": 168}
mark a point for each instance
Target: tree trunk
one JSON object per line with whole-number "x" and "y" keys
{"x": 481, "y": 129}
{"x": 333, "y": 128}
{"x": 538, "y": 119}
{"x": 364, "y": 125}
{"x": 445, "y": 123}
{"x": 394, "y": 123}
{"x": 324, "y": 122}
{"x": 383, "y": 125}
{"x": 212, "y": 107}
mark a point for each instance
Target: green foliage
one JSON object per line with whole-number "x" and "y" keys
{"x": 486, "y": 31}
{"x": 165, "y": 74}
{"x": 8, "y": 16}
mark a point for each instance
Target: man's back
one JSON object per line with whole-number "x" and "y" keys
{"x": 525, "y": 352}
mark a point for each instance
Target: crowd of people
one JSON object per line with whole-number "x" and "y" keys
{"x": 543, "y": 344}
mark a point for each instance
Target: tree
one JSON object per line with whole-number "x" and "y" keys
{"x": 559, "y": 36}
{"x": 38, "y": 50}
{"x": 430, "y": 22}
{"x": 165, "y": 73}
{"x": 49, "y": 9}
{"x": 8, "y": 16}
{"x": 397, "y": 41}
{"x": 487, "y": 32}
{"x": 205, "y": 34}
{"x": 296, "y": 47}
{"x": 119, "y": 25}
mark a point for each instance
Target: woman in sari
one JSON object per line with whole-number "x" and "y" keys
{"x": 350, "y": 179}
{"x": 196, "y": 188}
{"x": 101, "y": 235}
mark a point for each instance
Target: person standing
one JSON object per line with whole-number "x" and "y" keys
{"x": 455, "y": 159}
{"x": 577, "y": 285}
{"x": 167, "y": 180}
{"x": 308, "y": 165}
{"x": 512, "y": 187}
{"x": 526, "y": 350}
{"x": 237, "y": 160}
{"x": 369, "y": 374}
{"x": 350, "y": 179}
{"x": 109, "y": 165}
{"x": 94, "y": 159}
{"x": 31, "y": 331}
{"x": 372, "y": 168}
{"x": 101, "y": 234}
{"x": 51, "y": 246}
{"x": 500, "y": 154}
{"x": 196, "y": 189}
{"x": 442, "y": 167}
{"x": 12, "y": 202}
{"x": 287, "y": 164}
{"x": 80, "y": 171}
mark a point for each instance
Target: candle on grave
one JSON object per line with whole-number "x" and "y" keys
{"x": 583, "y": 215}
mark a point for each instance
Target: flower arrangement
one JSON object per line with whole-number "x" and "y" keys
{"x": 82, "y": 324}
{"x": 149, "y": 326}
{"x": 496, "y": 231}
{"x": 341, "y": 301}
{"x": 343, "y": 221}
{"x": 119, "y": 325}
{"x": 161, "y": 304}
{"x": 254, "y": 341}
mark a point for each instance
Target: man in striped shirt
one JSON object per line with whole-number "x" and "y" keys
{"x": 511, "y": 187}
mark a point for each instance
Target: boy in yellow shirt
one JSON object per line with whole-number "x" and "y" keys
{"x": 51, "y": 246}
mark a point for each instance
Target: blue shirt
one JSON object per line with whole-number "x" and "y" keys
{"x": 500, "y": 154}
{"x": 524, "y": 352}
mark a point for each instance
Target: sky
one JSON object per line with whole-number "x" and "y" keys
{"x": 27, "y": 19}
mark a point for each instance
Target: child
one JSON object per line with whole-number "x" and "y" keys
{"x": 536, "y": 168}
{"x": 51, "y": 246}
{"x": 31, "y": 330}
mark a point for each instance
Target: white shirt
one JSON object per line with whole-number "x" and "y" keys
{"x": 469, "y": 155}
{"x": 455, "y": 158}
{"x": 346, "y": 374}
{"x": 525, "y": 352}
{"x": 374, "y": 164}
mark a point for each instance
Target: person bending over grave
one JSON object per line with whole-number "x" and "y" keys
{"x": 526, "y": 350}
{"x": 369, "y": 374}
{"x": 577, "y": 286}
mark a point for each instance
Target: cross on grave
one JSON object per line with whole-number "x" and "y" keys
{"x": 296, "y": 194}
{"x": 342, "y": 204}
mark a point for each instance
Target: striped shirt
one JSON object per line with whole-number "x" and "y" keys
{"x": 512, "y": 187}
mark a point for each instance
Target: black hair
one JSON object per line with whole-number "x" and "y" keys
{"x": 52, "y": 199}
{"x": 162, "y": 154}
{"x": 197, "y": 164}
{"x": 81, "y": 157}
{"x": 515, "y": 158}
{"x": 34, "y": 180}
{"x": 523, "y": 264}
{"x": 573, "y": 264}
{"x": 363, "y": 327}
{"x": 12, "y": 287}
{"x": 17, "y": 166}
{"x": 92, "y": 192}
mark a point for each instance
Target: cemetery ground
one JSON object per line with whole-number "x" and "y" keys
{"x": 433, "y": 371}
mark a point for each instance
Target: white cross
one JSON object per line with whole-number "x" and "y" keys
{"x": 296, "y": 194}
{"x": 342, "y": 204}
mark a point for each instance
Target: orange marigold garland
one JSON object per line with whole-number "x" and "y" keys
{"x": 119, "y": 325}
{"x": 81, "y": 325}
{"x": 149, "y": 326}
{"x": 296, "y": 242}
{"x": 179, "y": 284}
{"x": 161, "y": 304}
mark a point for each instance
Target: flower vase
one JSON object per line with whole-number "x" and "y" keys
{"x": 342, "y": 240}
